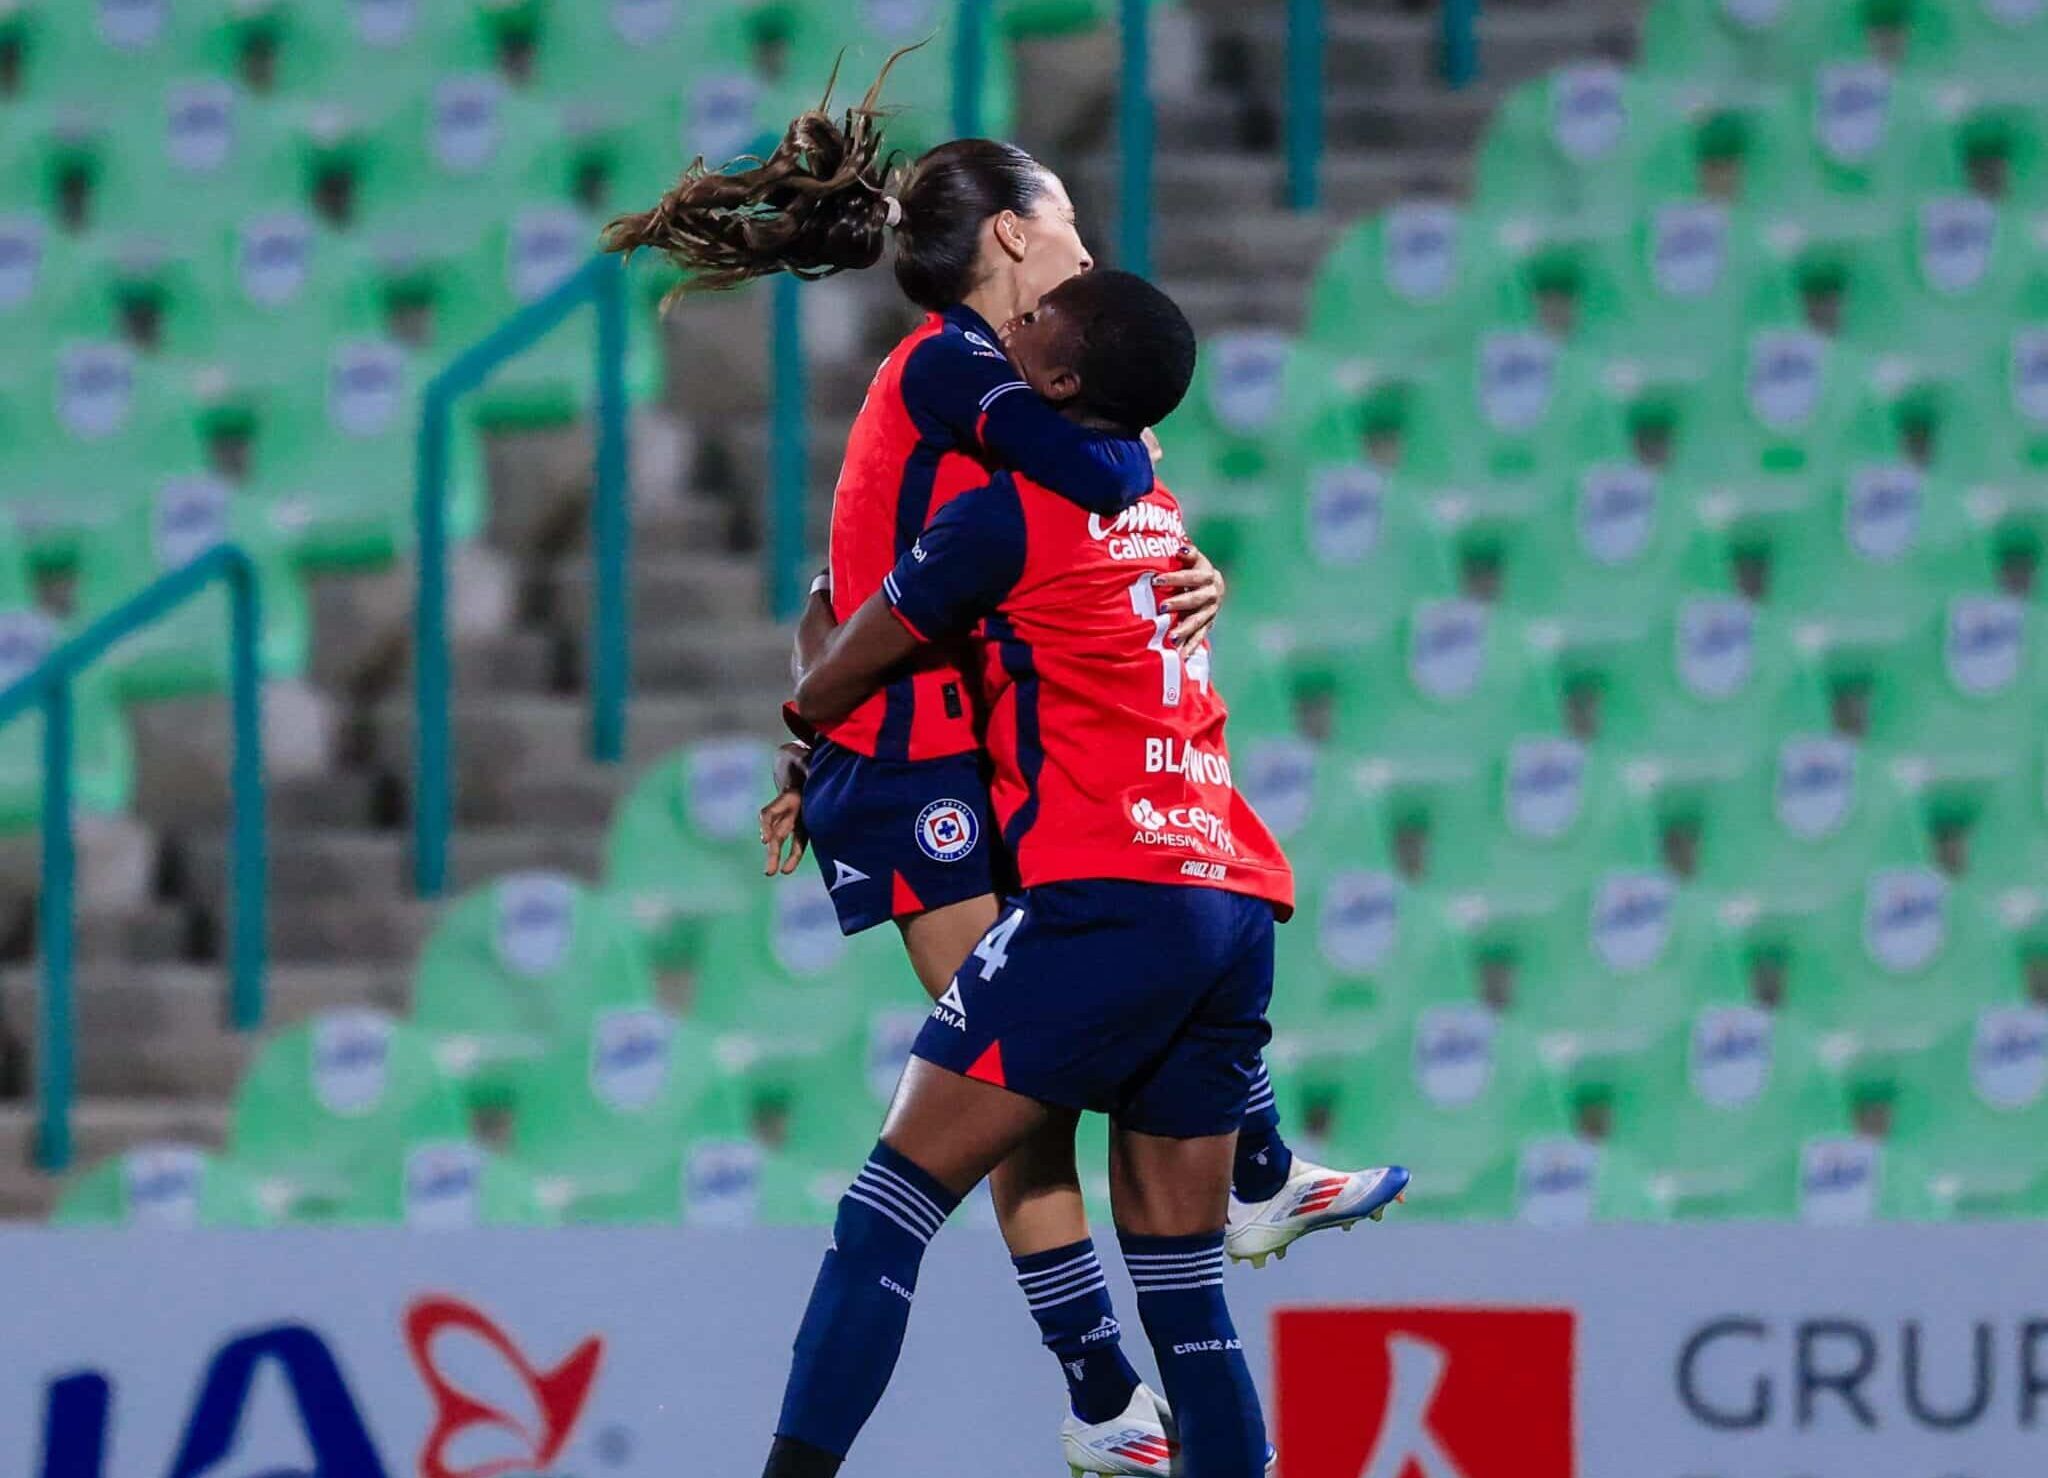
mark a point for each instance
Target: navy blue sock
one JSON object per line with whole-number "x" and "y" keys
{"x": 1215, "y": 1406}
{"x": 1263, "y": 1158}
{"x": 1070, "y": 1300}
{"x": 852, "y": 1332}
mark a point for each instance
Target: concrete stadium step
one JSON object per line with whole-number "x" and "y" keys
{"x": 666, "y": 587}
{"x": 100, "y": 1126}
{"x": 753, "y": 655}
{"x": 1422, "y": 118}
{"x": 1280, "y": 245}
{"x": 327, "y": 867}
{"x": 503, "y": 740}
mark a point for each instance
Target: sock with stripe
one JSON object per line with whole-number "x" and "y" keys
{"x": 1070, "y": 1300}
{"x": 852, "y": 1332}
{"x": 1263, "y": 1158}
{"x": 1215, "y": 1406}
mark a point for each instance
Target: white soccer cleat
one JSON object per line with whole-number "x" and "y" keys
{"x": 1313, "y": 1198}
{"x": 1134, "y": 1442}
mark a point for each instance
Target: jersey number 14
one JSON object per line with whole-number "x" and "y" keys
{"x": 1145, "y": 605}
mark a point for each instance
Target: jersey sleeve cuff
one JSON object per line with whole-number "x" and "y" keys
{"x": 892, "y": 592}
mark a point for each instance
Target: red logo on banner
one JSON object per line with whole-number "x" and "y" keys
{"x": 558, "y": 1395}
{"x": 1425, "y": 1393}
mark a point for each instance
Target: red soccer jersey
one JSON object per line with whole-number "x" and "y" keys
{"x": 1108, "y": 744}
{"x": 944, "y": 410}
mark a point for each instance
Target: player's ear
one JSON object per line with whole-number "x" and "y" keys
{"x": 1062, "y": 385}
{"x": 1008, "y": 232}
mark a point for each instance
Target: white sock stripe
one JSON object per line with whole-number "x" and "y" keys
{"x": 1048, "y": 1285}
{"x": 857, "y": 1193}
{"x": 1064, "y": 1289}
{"x": 890, "y": 1177}
{"x": 1145, "y": 1288}
{"x": 882, "y": 1190}
{"x": 1039, "y": 1303}
{"x": 1175, "y": 1269}
{"x": 1057, "y": 1270}
{"x": 1000, "y": 391}
{"x": 1262, "y": 1078}
{"x": 1160, "y": 1259}
{"x": 1262, "y": 1094}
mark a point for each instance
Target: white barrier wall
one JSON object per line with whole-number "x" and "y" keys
{"x": 1397, "y": 1352}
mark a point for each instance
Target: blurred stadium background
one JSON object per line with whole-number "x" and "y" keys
{"x": 1625, "y": 427}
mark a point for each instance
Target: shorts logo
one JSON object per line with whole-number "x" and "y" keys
{"x": 950, "y": 1009}
{"x": 947, "y": 831}
{"x": 842, "y": 875}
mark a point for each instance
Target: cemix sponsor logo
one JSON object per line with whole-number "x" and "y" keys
{"x": 471, "y": 1435}
{"x": 1141, "y": 531}
{"x": 1840, "y": 1373}
{"x": 1182, "y": 826}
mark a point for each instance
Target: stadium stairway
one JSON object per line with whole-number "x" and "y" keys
{"x": 157, "y": 1062}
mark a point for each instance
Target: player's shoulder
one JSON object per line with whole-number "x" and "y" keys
{"x": 944, "y": 341}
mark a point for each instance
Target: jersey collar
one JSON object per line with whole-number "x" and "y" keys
{"x": 967, "y": 321}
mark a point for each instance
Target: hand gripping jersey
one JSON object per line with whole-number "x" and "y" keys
{"x": 944, "y": 411}
{"x": 1107, "y": 742}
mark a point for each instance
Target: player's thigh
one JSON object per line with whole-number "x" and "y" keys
{"x": 1163, "y": 1187}
{"x": 939, "y": 939}
{"x": 957, "y": 1129}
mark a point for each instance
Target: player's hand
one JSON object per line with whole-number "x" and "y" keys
{"x": 791, "y": 768}
{"x": 1198, "y": 596}
{"x": 782, "y": 825}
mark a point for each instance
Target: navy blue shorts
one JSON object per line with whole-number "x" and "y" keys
{"x": 897, "y": 837}
{"x": 1144, "y": 1001}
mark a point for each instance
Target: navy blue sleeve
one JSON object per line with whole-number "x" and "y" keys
{"x": 967, "y": 559}
{"x": 980, "y": 400}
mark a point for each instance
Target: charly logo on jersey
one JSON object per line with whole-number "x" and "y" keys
{"x": 1905, "y": 918}
{"x": 444, "y": 1186}
{"x": 1754, "y": 15}
{"x": 719, "y": 122}
{"x": 721, "y": 1183}
{"x": 719, "y": 777}
{"x": 1454, "y": 1053}
{"x": 1730, "y": 1060}
{"x": 467, "y": 122}
{"x": 384, "y": 23}
{"x": 1359, "y": 920}
{"x": 1141, "y": 531}
{"x": 544, "y": 247}
{"x": 536, "y": 922}
{"x": 190, "y": 516}
{"x": 1587, "y": 113}
{"x": 982, "y": 344}
{"x": 1346, "y": 501}
{"x": 1247, "y": 372}
{"x": 130, "y": 25}
{"x": 1279, "y": 780}
{"x": 1517, "y": 374}
{"x": 1851, "y": 109}
{"x": 947, "y": 830}
{"x": 273, "y": 258}
{"x": 629, "y": 1058}
{"x": 1983, "y": 643}
{"x": 21, "y": 258}
{"x": 1838, "y": 1181}
{"x": 1784, "y": 381}
{"x": 95, "y": 388}
{"x": 1957, "y": 236}
{"x": 1419, "y": 247}
{"x": 2009, "y": 1056}
{"x": 805, "y": 936}
{"x": 1881, "y": 510}
{"x": 1617, "y": 510}
{"x": 1631, "y": 920}
{"x": 351, "y": 1060}
{"x": 1546, "y": 787}
{"x": 1716, "y": 641}
{"x": 1555, "y": 1182}
{"x": 162, "y": 1184}
{"x": 891, "y": 1035}
{"x": 199, "y": 126}
{"x": 1688, "y": 248}
{"x": 27, "y": 637}
{"x": 365, "y": 388}
{"x": 643, "y": 22}
{"x": 1815, "y": 786}
{"x": 1446, "y": 647}
{"x": 2028, "y": 373}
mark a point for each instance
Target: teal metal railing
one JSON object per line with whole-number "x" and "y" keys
{"x": 1135, "y": 139}
{"x": 789, "y": 452}
{"x": 970, "y": 44}
{"x": 1461, "y": 42}
{"x": 49, "y": 688}
{"x": 1304, "y": 103}
{"x": 601, "y": 283}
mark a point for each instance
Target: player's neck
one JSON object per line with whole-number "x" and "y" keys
{"x": 994, "y": 303}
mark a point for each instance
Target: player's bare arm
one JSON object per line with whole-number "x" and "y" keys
{"x": 856, "y": 658}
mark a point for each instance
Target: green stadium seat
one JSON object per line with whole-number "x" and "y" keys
{"x": 103, "y": 757}
{"x": 795, "y": 1192}
{"x": 1471, "y": 1090}
{"x": 186, "y": 158}
{"x": 2000, "y": 46}
{"x": 597, "y": 60}
{"x": 332, "y": 459}
{"x": 190, "y": 651}
{"x": 1363, "y": 948}
{"x": 370, "y": 55}
{"x": 1933, "y": 296}
{"x": 278, "y": 284}
{"x": 1961, "y": 711}
{"x": 85, "y": 52}
{"x": 1733, "y": 46}
{"x": 1970, "y": 1125}
{"x": 515, "y": 968}
{"x": 158, "y": 303}
{"x": 2005, "y": 844}
{"x": 684, "y": 845}
{"x": 1400, "y": 287}
{"x": 1837, "y": 155}
{"x": 1564, "y": 152}
{"x": 1711, "y": 1120}
{"x": 837, "y": 1102}
{"x": 162, "y": 1187}
{"x": 603, "y": 1120}
{"x": 39, "y": 282}
{"x": 327, "y": 1108}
